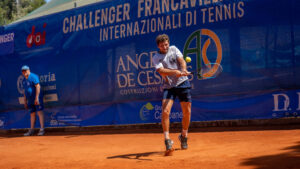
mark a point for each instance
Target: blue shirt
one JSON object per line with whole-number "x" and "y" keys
{"x": 30, "y": 89}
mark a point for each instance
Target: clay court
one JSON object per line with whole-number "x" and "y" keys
{"x": 247, "y": 147}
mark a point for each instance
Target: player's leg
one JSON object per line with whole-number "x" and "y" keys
{"x": 165, "y": 120}
{"x": 167, "y": 103}
{"x": 41, "y": 118}
{"x": 186, "y": 110}
{"x": 186, "y": 105}
{"x": 32, "y": 122}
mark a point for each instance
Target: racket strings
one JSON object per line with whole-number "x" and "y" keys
{"x": 209, "y": 71}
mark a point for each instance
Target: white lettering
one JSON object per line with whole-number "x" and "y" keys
{"x": 286, "y": 102}
{"x": 7, "y": 38}
{"x": 96, "y": 18}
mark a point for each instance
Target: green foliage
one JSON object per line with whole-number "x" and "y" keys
{"x": 11, "y": 11}
{"x": 7, "y": 9}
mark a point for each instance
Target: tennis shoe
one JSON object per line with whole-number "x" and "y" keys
{"x": 183, "y": 141}
{"x": 41, "y": 132}
{"x": 169, "y": 149}
{"x": 29, "y": 133}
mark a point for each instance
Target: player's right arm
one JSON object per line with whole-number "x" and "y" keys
{"x": 164, "y": 71}
{"x": 169, "y": 72}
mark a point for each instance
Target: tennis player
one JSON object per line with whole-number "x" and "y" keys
{"x": 169, "y": 63}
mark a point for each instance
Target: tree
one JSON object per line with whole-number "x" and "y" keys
{"x": 7, "y": 10}
{"x": 27, "y": 6}
{"x": 10, "y": 10}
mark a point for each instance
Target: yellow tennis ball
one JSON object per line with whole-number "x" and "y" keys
{"x": 188, "y": 59}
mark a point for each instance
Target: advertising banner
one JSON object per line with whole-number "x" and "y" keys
{"x": 95, "y": 62}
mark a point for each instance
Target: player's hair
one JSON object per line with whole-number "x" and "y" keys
{"x": 162, "y": 38}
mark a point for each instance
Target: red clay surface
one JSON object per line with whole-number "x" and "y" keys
{"x": 262, "y": 149}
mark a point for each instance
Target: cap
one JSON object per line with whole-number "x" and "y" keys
{"x": 25, "y": 67}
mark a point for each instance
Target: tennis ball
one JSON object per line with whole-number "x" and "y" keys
{"x": 188, "y": 59}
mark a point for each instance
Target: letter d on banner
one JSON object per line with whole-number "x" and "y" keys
{"x": 286, "y": 102}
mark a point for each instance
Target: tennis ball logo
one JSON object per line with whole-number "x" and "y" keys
{"x": 145, "y": 111}
{"x": 193, "y": 46}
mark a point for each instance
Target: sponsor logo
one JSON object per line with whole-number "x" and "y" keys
{"x": 53, "y": 121}
{"x": 174, "y": 115}
{"x": 7, "y": 38}
{"x": 20, "y": 84}
{"x": 58, "y": 119}
{"x": 145, "y": 111}
{"x": 193, "y": 49}
{"x": 7, "y": 43}
{"x": 285, "y": 103}
{"x": 36, "y": 38}
{"x": 151, "y": 111}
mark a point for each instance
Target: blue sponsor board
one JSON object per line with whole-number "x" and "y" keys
{"x": 95, "y": 62}
{"x": 238, "y": 107}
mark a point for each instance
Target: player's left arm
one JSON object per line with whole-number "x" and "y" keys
{"x": 181, "y": 61}
{"x": 182, "y": 65}
{"x": 37, "y": 93}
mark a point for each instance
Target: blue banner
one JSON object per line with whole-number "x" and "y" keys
{"x": 95, "y": 62}
{"x": 239, "y": 107}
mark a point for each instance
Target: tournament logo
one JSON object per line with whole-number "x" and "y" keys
{"x": 193, "y": 46}
{"x": 20, "y": 84}
{"x": 145, "y": 111}
{"x": 36, "y": 38}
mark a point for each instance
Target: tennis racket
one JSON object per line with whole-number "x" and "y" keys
{"x": 208, "y": 71}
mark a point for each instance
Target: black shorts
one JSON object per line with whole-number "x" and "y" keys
{"x": 35, "y": 108}
{"x": 183, "y": 94}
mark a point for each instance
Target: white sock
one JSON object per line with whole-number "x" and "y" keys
{"x": 184, "y": 133}
{"x": 41, "y": 129}
{"x": 166, "y": 134}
